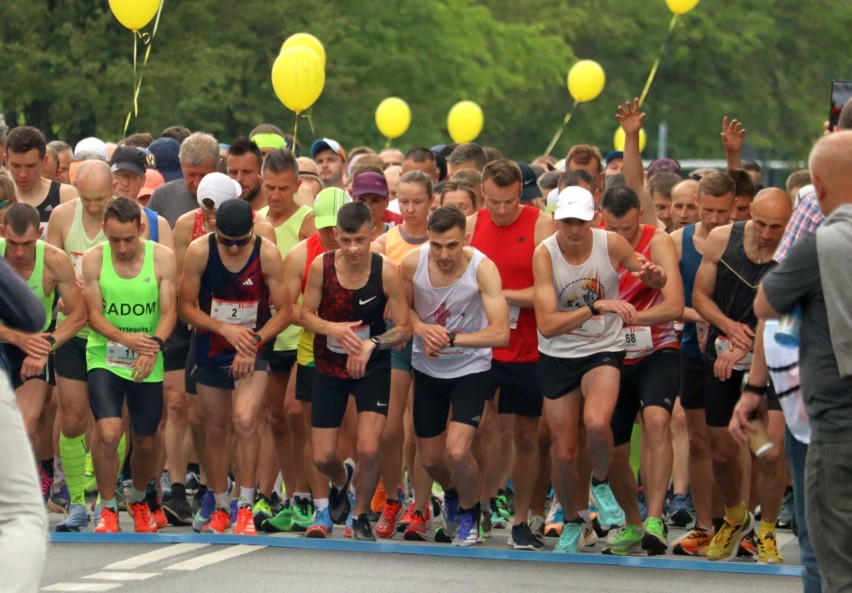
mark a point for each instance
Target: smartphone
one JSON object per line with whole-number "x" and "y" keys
{"x": 841, "y": 91}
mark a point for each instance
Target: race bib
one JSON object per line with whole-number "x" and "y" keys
{"x": 77, "y": 263}
{"x": 701, "y": 330}
{"x": 678, "y": 327}
{"x": 723, "y": 344}
{"x": 593, "y": 328}
{"x": 362, "y": 331}
{"x": 119, "y": 355}
{"x": 514, "y": 313}
{"x": 454, "y": 352}
{"x": 242, "y": 313}
{"x": 42, "y": 231}
{"x": 638, "y": 341}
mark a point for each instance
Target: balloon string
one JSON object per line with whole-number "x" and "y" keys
{"x": 295, "y": 131}
{"x": 308, "y": 117}
{"x": 561, "y": 129}
{"x": 657, "y": 61}
{"x": 388, "y": 143}
{"x": 147, "y": 40}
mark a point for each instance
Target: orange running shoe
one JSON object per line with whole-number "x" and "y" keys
{"x": 694, "y": 543}
{"x": 245, "y": 521}
{"x": 377, "y": 505}
{"x": 219, "y": 522}
{"x": 392, "y": 513}
{"x": 143, "y": 522}
{"x": 416, "y": 530}
{"x": 108, "y": 522}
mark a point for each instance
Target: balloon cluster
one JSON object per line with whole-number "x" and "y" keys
{"x": 298, "y": 73}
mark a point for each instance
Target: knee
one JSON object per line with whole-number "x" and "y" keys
{"x": 325, "y": 461}
{"x": 598, "y": 428}
{"x": 176, "y": 405}
{"x": 526, "y": 441}
{"x": 295, "y": 415}
{"x": 656, "y": 431}
{"x": 564, "y": 453}
{"x": 109, "y": 437}
{"x": 245, "y": 423}
{"x": 458, "y": 456}
{"x": 368, "y": 455}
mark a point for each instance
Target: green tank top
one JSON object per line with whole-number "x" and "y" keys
{"x": 132, "y": 305}
{"x": 76, "y": 244}
{"x": 287, "y": 237}
{"x": 36, "y": 281}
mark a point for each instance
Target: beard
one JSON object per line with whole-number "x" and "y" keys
{"x": 252, "y": 193}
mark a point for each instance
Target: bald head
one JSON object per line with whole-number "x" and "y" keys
{"x": 93, "y": 174}
{"x": 831, "y": 170}
{"x": 772, "y": 200}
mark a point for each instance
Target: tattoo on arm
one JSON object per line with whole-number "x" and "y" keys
{"x": 392, "y": 337}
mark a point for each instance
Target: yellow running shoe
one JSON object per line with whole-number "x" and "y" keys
{"x": 726, "y": 542}
{"x": 767, "y": 549}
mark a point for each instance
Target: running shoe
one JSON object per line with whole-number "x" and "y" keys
{"x": 322, "y": 525}
{"x": 143, "y": 522}
{"x": 59, "y": 500}
{"x": 609, "y": 513}
{"x": 467, "y": 534}
{"x": 178, "y": 512}
{"x": 262, "y": 511}
{"x": 748, "y": 547}
{"x": 643, "y": 504}
{"x": 234, "y": 507}
{"x": 205, "y": 512}
{"x": 338, "y": 499}
{"x": 554, "y": 521}
{"x": 522, "y": 538}
{"x": 654, "y": 539}
{"x": 767, "y": 549}
{"x": 303, "y": 514}
{"x": 485, "y": 524}
{"x": 450, "y": 515}
{"x": 726, "y": 542}
{"x": 402, "y": 524}
{"x": 694, "y": 543}
{"x": 571, "y": 540}
{"x": 245, "y": 521}
{"x": 361, "y": 529}
{"x": 46, "y": 483}
{"x": 377, "y": 505}
{"x": 77, "y": 520}
{"x": 218, "y": 523}
{"x": 391, "y": 514}
{"x": 166, "y": 485}
{"x": 282, "y": 522}
{"x": 537, "y": 527}
{"x": 91, "y": 486}
{"x": 193, "y": 482}
{"x": 108, "y": 521}
{"x": 679, "y": 514}
{"x": 623, "y": 541}
{"x": 785, "y": 517}
{"x": 590, "y": 536}
{"x": 158, "y": 515}
{"x": 416, "y": 530}
{"x": 501, "y": 504}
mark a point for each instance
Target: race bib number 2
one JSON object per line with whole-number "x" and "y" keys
{"x": 242, "y": 313}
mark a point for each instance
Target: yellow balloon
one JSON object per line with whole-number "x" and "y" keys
{"x": 682, "y": 6}
{"x": 134, "y": 14}
{"x": 393, "y": 116}
{"x": 464, "y": 121}
{"x": 298, "y": 78}
{"x": 586, "y": 80}
{"x": 618, "y": 139}
{"x": 305, "y": 40}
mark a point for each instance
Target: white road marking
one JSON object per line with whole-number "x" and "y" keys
{"x": 122, "y": 576}
{"x": 155, "y": 556}
{"x": 214, "y": 557}
{"x": 82, "y": 587}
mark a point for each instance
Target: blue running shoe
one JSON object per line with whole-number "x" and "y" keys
{"x": 450, "y": 515}
{"x": 205, "y": 512}
{"x": 679, "y": 515}
{"x": 468, "y": 530}
{"x": 609, "y": 513}
{"x": 322, "y": 526}
{"x": 77, "y": 520}
{"x": 571, "y": 540}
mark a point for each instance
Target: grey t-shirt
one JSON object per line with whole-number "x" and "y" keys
{"x": 172, "y": 200}
{"x": 828, "y": 397}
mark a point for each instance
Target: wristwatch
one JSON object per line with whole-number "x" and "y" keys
{"x": 257, "y": 339}
{"x": 595, "y": 311}
{"x": 375, "y": 340}
{"x": 452, "y": 338}
{"x": 756, "y": 389}
{"x": 50, "y": 340}
{"x": 159, "y": 342}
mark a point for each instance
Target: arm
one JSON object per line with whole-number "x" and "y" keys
{"x": 671, "y": 308}
{"x": 496, "y": 333}
{"x": 166, "y": 239}
{"x": 631, "y": 119}
{"x": 378, "y": 245}
{"x": 67, "y": 193}
{"x": 621, "y": 253}
{"x": 264, "y": 228}
{"x": 732, "y": 140}
{"x": 311, "y": 299}
{"x": 550, "y": 321}
{"x": 58, "y": 221}
{"x": 751, "y": 403}
{"x": 181, "y": 237}
{"x": 166, "y": 267}
{"x": 279, "y": 294}
{"x": 294, "y": 265}
{"x": 59, "y": 266}
{"x": 705, "y": 286}
{"x": 307, "y": 229}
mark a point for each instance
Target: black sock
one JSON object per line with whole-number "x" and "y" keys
{"x": 178, "y": 490}
{"x": 596, "y": 482}
{"x": 717, "y": 523}
{"x": 578, "y": 520}
{"x": 787, "y": 490}
{"x": 451, "y": 493}
{"x": 47, "y": 466}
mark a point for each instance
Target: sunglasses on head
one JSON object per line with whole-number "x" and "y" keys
{"x": 234, "y": 242}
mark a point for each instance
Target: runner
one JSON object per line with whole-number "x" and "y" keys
{"x": 128, "y": 284}
{"x": 459, "y": 314}
{"x": 231, "y": 278}
{"x": 344, "y": 304}
{"x": 580, "y": 324}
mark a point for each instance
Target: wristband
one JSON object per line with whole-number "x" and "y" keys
{"x": 756, "y": 389}
{"x": 257, "y": 340}
{"x": 375, "y": 340}
{"x": 50, "y": 340}
{"x": 595, "y": 311}
{"x": 452, "y": 338}
{"x": 159, "y": 342}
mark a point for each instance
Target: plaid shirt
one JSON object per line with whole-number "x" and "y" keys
{"x": 805, "y": 219}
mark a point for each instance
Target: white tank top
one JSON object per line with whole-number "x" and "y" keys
{"x": 576, "y": 287}
{"x": 458, "y": 308}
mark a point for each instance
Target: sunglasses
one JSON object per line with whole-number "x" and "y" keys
{"x": 234, "y": 242}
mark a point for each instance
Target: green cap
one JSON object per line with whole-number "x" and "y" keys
{"x": 269, "y": 140}
{"x": 326, "y": 205}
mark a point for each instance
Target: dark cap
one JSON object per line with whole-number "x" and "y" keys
{"x": 234, "y": 218}
{"x": 128, "y": 158}
{"x": 530, "y": 185}
{"x": 662, "y": 165}
{"x": 615, "y": 154}
{"x": 370, "y": 182}
{"x": 166, "y": 151}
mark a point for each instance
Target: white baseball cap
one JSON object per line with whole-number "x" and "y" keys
{"x": 215, "y": 189}
{"x": 575, "y": 202}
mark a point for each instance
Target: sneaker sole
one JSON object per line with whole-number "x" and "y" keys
{"x": 735, "y": 550}
{"x": 414, "y": 536}
{"x": 175, "y": 519}
{"x": 654, "y": 546}
{"x": 316, "y": 534}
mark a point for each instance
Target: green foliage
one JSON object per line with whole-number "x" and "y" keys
{"x": 67, "y": 68}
